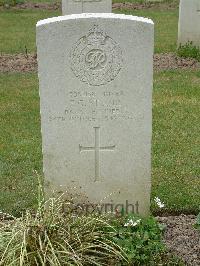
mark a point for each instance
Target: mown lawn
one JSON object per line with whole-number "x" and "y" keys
{"x": 20, "y": 141}
{"x": 176, "y": 140}
{"x": 17, "y": 28}
{"x": 166, "y": 27}
{"x": 176, "y": 153}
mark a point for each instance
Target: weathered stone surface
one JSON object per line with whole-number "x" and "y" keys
{"x": 95, "y": 74}
{"x": 189, "y": 22}
{"x": 86, "y": 6}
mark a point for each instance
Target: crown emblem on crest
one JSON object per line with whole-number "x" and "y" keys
{"x": 96, "y": 35}
{"x": 96, "y": 58}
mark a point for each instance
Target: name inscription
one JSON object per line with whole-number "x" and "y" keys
{"x": 90, "y": 106}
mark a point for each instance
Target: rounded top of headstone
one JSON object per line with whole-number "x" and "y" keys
{"x": 93, "y": 15}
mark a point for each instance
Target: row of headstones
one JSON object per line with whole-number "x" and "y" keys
{"x": 96, "y": 75}
{"x": 189, "y": 15}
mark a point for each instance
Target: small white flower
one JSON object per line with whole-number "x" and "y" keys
{"x": 159, "y": 202}
{"x": 129, "y": 223}
{"x": 132, "y": 223}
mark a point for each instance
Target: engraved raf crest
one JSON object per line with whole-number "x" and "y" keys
{"x": 96, "y": 58}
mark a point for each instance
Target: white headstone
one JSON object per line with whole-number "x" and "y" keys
{"x": 86, "y": 6}
{"x": 95, "y": 75}
{"x": 189, "y": 22}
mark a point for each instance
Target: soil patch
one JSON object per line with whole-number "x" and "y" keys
{"x": 182, "y": 238}
{"x": 170, "y": 61}
{"x": 28, "y": 63}
{"x": 138, "y": 6}
{"x": 18, "y": 63}
{"x": 124, "y": 5}
{"x": 48, "y": 6}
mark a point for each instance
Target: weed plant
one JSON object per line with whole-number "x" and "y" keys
{"x": 189, "y": 50}
{"x": 51, "y": 237}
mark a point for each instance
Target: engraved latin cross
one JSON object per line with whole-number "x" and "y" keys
{"x": 85, "y": 1}
{"x": 198, "y": 8}
{"x": 97, "y": 148}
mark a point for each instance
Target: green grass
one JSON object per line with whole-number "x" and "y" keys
{"x": 17, "y": 28}
{"x": 20, "y": 141}
{"x": 166, "y": 27}
{"x": 176, "y": 153}
{"x": 176, "y": 140}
